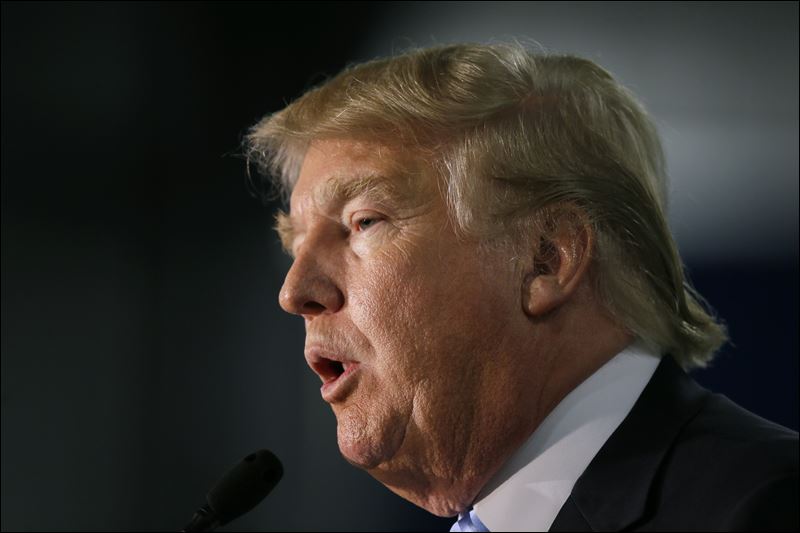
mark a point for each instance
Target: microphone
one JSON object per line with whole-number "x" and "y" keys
{"x": 238, "y": 491}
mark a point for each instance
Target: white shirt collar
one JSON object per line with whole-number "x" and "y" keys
{"x": 527, "y": 493}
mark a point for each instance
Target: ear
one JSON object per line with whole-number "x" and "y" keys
{"x": 561, "y": 261}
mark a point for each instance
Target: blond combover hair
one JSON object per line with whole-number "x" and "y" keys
{"x": 511, "y": 134}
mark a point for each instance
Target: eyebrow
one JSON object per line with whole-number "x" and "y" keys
{"x": 338, "y": 191}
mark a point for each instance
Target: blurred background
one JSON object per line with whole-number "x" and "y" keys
{"x": 143, "y": 349}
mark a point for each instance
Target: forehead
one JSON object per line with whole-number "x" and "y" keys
{"x": 334, "y": 169}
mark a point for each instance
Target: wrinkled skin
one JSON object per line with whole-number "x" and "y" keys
{"x": 452, "y": 373}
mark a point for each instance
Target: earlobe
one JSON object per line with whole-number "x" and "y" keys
{"x": 560, "y": 263}
{"x": 541, "y": 293}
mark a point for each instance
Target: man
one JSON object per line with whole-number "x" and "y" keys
{"x": 496, "y": 307}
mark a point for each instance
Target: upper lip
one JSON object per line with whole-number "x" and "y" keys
{"x": 324, "y": 361}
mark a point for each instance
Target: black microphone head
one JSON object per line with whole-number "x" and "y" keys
{"x": 245, "y": 485}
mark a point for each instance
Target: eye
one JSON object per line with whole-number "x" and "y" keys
{"x": 364, "y": 223}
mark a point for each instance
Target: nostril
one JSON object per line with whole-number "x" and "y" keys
{"x": 313, "y": 308}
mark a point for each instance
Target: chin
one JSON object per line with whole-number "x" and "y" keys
{"x": 360, "y": 455}
{"x": 368, "y": 440}
{"x": 366, "y": 449}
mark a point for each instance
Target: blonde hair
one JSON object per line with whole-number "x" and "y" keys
{"x": 512, "y": 134}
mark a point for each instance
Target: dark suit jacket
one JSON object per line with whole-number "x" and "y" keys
{"x": 685, "y": 459}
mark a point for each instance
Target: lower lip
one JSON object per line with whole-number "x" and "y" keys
{"x": 336, "y": 390}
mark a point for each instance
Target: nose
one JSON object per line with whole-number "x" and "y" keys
{"x": 309, "y": 289}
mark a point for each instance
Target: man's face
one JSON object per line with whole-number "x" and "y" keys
{"x": 405, "y": 324}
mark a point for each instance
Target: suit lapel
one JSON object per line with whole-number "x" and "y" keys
{"x": 613, "y": 491}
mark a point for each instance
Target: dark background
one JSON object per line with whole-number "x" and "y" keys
{"x": 143, "y": 349}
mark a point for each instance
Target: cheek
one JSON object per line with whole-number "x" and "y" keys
{"x": 411, "y": 314}
{"x": 380, "y": 289}
{"x": 384, "y": 313}
{"x": 387, "y": 310}
{"x": 427, "y": 311}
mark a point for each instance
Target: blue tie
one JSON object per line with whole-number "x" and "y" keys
{"x": 468, "y": 522}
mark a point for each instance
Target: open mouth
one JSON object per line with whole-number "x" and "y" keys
{"x": 335, "y": 370}
{"x": 330, "y": 370}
